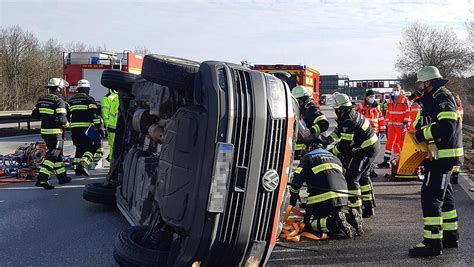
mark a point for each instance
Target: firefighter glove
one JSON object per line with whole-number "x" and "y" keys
{"x": 294, "y": 198}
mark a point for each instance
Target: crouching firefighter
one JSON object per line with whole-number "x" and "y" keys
{"x": 83, "y": 114}
{"x": 316, "y": 122}
{"x": 51, "y": 109}
{"x": 327, "y": 188}
{"x": 442, "y": 131}
{"x": 357, "y": 146}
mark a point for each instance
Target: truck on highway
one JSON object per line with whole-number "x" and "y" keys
{"x": 203, "y": 156}
{"x": 300, "y": 75}
{"x": 91, "y": 65}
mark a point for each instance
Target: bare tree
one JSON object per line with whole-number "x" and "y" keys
{"x": 423, "y": 45}
{"x": 142, "y": 50}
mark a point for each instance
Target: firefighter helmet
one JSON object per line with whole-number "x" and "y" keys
{"x": 300, "y": 91}
{"x": 340, "y": 100}
{"x": 56, "y": 82}
{"x": 83, "y": 84}
{"x": 428, "y": 73}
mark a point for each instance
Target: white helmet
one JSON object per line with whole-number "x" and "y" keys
{"x": 57, "y": 82}
{"x": 340, "y": 100}
{"x": 428, "y": 73}
{"x": 83, "y": 84}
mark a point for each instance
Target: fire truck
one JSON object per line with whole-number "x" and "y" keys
{"x": 300, "y": 75}
{"x": 90, "y": 65}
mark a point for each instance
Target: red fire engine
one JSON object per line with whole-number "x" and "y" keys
{"x": 300, "y": 75}
{"x": 90, "y": 65}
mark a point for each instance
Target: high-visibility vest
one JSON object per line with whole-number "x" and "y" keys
{"x": 373, "y": 114}
{"x": 414, "y": 110}
{"x": 110, "y": 107}
{"x": 399, "y": 112}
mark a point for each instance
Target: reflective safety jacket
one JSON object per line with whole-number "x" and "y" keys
{"x": 110, "y": 109}
{"x": 442, "y": 125}
{"x": 52, "y": 111}
{"x": 83, "y": 111}
{"x": 414, "y": 111}
{"x": 316, "y": 122}
{"x": 398, "y": 113}
{"x": 321, "y": 169}
{"x": 373, "y": 113}
{"x": 353, "y": 134}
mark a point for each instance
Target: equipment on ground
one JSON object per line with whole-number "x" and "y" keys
{"x": 412, "y": 155}
{"x": 23, "y": 164}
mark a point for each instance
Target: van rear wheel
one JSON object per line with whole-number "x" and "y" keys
{"x": 99, "y": 193}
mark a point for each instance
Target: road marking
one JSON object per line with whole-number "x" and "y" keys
{"x": 2, "y": 201}
{"x": 18, "y": 136}
{"x": 34, "y": 187}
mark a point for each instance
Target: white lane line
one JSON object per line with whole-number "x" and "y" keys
{"x": 2, "y": 201}
{"x": 32, "y": 188}
{"x": 18, "y": 136}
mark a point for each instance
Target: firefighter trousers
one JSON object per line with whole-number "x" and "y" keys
{"x": 111, "y": 140}
{"x": 395, "y": 137}
{"x": 84, "y": 149}
{"x": 358, "y": 178}
{"x": 321, "y": 217}
{"x": 437, "y": 201}
{"x": 54, "y": 158}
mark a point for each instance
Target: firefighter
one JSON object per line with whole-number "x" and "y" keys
{"x": 327, "y": 189}
{"x": 51, "y": 109}
{"x": 397, "y": 118}
{"x": 83, "y": 114}
{"x": 110, "y": 109}
{"x": 444, "y": 137}
{"x": 357, "y": 145}
{"x": 314, "y": 120}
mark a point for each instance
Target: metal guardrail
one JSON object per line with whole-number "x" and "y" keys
{"x": 18, "y": 118}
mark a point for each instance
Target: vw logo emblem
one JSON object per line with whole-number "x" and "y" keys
{"x": 270, "y": 180}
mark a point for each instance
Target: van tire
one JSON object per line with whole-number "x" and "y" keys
{"x": 170, "y": 71}
{"x": 115, "y": 79}
{"x": 129, "y": 252}
{"x": 99, "y": 193}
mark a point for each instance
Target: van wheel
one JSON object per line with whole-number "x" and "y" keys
{"x": 99, "y": 193}
{"x": 115, "y": 79}
{"x": 129, "y": 250}
{"x": 169, "y": 71}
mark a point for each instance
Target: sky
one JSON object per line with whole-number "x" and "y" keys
{"x": 355, "y": 38}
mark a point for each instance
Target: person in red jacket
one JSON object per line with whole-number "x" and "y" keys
{"x": 414, "y": 109}
{"x": 371, "y": 110}
{"x": 398, "y": 119}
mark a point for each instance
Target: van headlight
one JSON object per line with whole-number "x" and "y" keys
{"x": 276, "y": 96}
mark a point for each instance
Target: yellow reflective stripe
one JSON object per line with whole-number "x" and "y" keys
{"x": 365, "y": 125}
{"x": 427, "y": 133}
{"x": 323, "y": 222}
{"x": 452, "y": 226}
{"x": 78, "y": 107}
{"x": 319, "y": 118}
{"x": 367, "y": 197}
{"x": 77, "y": 159}
{"x": 355, "y": 192}
{"x": 365, "y": 188}
{"x": 429, "y": 235}
{"x": 61, "y": 110}
{"x": 317, "y": 131}
{"x": 80, "y": 124}
{"x": 60, "y": 170}
{"x": 48, "y": 163}
{"x": 296, "y": 191}
{"x": 448, "y": 115}
{"x": 346, "y": 136}
{"x": 449, "y": 214}
{"x": 335, "y": 136}
{"x": 372, "y": 140}
{"x": 298, "y": 170}
{"x": 298, "y": 146}
{"x": 326, "y": 166}
{"x": 356, "y": 204}
{"x": 456, "y": 168}
{"x": 46, "y": 111}
{"x": 335, "y": 151}
{"x": 92, "y": 106}
{"x": 433, "y": 220}
{"x": 323, "y": 197}
{"x": 450, "y": 153}
{"x": 45, "y": 171}
{"x": 58, "y": 164}
{"x": 96, "y": 121}
{"x": 51, "y": 131}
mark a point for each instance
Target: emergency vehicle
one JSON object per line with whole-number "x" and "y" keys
{"x": 300, "y": 75}
{"x": 90, "y": 65}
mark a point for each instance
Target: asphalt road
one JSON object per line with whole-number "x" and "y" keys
{"x": 59, "y": 228}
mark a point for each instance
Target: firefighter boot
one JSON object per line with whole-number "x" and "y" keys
{"x": 368, "y": 209}
{"x": 44, "y": 183}
{"x": 384, "y": 164}
{"x": 82, "y": 169}
{"x": 450, "y": 239}
{"x": 63, "y": 179}
{"x": 355, "y": 219}
{"x": 422, "y": 250}
{"x": 344, "y": 225}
